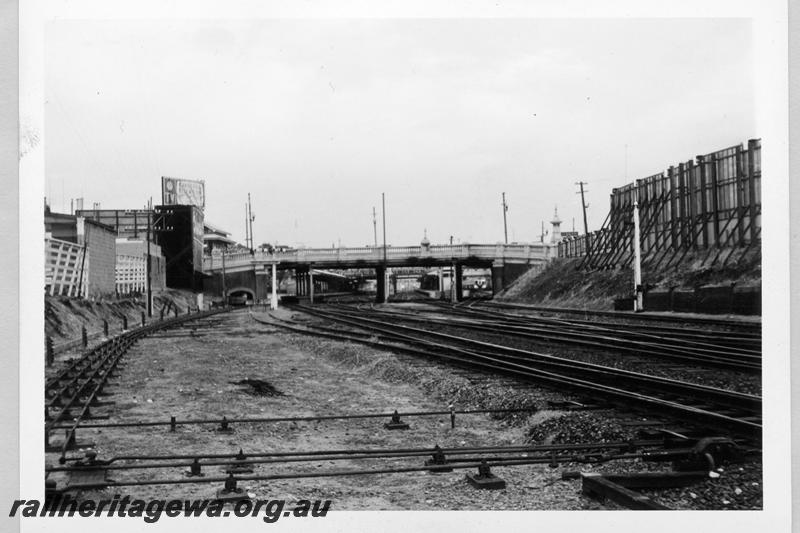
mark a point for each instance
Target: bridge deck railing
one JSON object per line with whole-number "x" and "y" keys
{"x": 521, "y": 252}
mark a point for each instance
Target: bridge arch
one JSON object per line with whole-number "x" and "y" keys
{"x": 242, "y": 291}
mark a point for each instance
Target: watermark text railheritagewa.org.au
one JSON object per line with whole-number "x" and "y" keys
{"x": 152, "y": 510}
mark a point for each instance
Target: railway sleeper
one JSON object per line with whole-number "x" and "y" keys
{"x": 69, "y": 443}
{"x": 643, "y": 423}
{"x": 571, "y": 405}
{"x": 89, "y": 415}
{"x": 396, "y": 422}
{"x": 619, "y": 487}
{"x": 485, "y": 479}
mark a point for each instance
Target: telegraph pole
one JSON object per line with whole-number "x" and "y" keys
{"x": 585, "y": 224}
{"x": 149, "y": 286}
{"x": 385, "y": 265}
{"x": 383, "y": 216}
{"x": 505, "y": 225}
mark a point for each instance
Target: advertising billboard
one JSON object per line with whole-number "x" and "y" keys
{"x": 176, "y": 191}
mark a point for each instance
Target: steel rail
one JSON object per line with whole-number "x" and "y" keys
{"x": 77, "y": 365}
{"x": 562, "y": 453}
{"x": 713, "y": 340}
{"x": 624, "y": 397}
{"x": 529, "y": 357}
{"x": 683, "y": 330}
{"x": 632, "y": 340}
{"x": 304, "y": 475}
{"x": 640, "y": 348}
{"x": 89, "y": 356}
{"x": 96, "y": 377}
{"x": 560, "y": 458}
{"x": 557, "y": 379}
{"x": 707, "y": 345}
{"x": 378, "y": 451}
{"x": 730, "y": 340}
{"x": 176, "y": 423}
{"x": 740, "y": 324}
{"x": 100, "y": 372}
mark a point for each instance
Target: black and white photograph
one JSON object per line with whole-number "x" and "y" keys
{"x": 302, "y": 267}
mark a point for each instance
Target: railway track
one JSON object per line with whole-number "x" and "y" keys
{"x": 688, "y": 328}
{"x": 82, "y": 473}
{"x": 136, "y": 466}
{"x": 697, "y": 404}
{"x": 707, "y": 349}
{"x": 641, "y": 318}
{"x": 72, "y": 393}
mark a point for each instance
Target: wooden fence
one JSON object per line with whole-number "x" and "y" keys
{"x": 131, "y": 274}
{"x": 66, "y": 268}
{"x": 711, "y": 205}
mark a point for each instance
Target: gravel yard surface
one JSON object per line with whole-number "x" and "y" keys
{"x": 245, "y": 369}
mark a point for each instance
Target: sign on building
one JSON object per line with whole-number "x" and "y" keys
{"x": 176, "y": 191}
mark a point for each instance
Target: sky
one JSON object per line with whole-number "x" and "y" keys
{"x": 315, "y": 118}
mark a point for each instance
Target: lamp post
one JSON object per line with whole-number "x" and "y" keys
{"x": 224, "y": 288}
{"x": 250, "y": 218}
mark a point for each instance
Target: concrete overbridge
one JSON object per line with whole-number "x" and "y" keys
{"x": 256, "y": 273}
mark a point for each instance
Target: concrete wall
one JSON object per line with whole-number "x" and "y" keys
{"x": 711, "y": 300}
{"x": 101, "y": 257}
{"x": 61, "y": 226}
{"x": 503, "y": 275}
{"x": 257, "y": 282}
{"x": 212, "y": 286}
{"x": 514, "y": 271}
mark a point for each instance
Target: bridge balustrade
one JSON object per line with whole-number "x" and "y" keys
{"x": 504, "y": 252}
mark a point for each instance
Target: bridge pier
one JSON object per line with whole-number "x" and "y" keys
{"x": 459, "y": 275}
{"x": 380, "y": 277}
{"x": 498, "y": 269}
{"x": 274, "y": 297}
{"x": 311, "y": 284}
{"x": 301, "y": 281}
{"x": 261, "y": 289}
